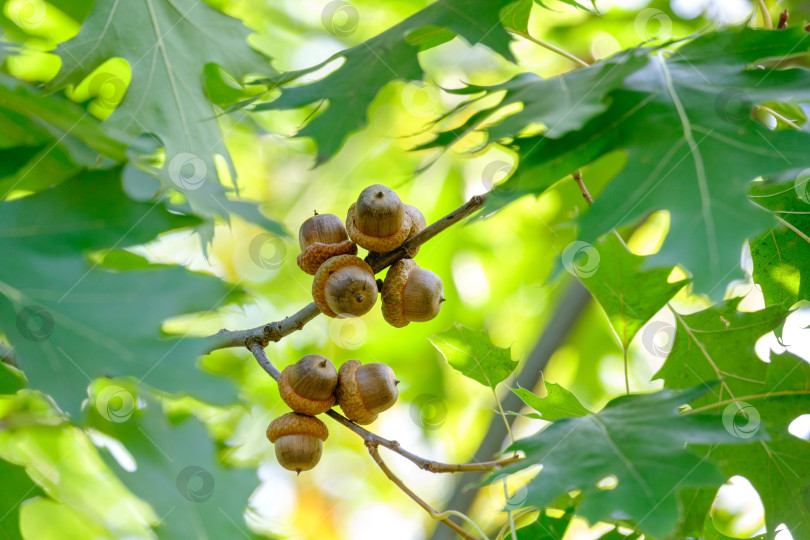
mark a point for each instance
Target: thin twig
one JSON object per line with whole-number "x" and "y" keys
{"x": 374, "y": 441}
{"x": 549, "y": 46}
{"x": 578, "y": 179}
{"x": 277, "y": 330}
{"x": 375, "y": 455}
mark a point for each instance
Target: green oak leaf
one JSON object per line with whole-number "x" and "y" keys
{"x": 558, "y": 403}
{"x": 546, "y": 527}
{"x": 70, "y": 320}
{"x": 474, "y": 355}
{"x": 17, "y": 487}
{"x": 683, "y": 120}
{"x": 561, "y": 104}
{"x": 178, "y": 470}
{"x": 166, "y": 97}
{"x": 639, "y": 442}
{"x": 11, "y": 379}
{"x": 629, "y": 295}
{"x": 389, "y": 56}
{"x": 782, "y": 255}
{"x": 719, "y": 343}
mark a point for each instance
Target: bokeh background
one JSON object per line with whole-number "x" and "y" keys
{"x": 501, "y": 274}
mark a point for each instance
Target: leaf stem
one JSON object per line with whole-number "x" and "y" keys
{"x": 781, "y": 118}
{"x": 549, "y": 46}
{"x": 766, "y": 16}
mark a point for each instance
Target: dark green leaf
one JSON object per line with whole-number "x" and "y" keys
{"x": 390, "y": 56}
{"x": 174, "y": 41}
{"x": 684, "y": 121}
{"x": 639, "y": 442}
{"x": 719, "y": 343}
{"x": 70, "y": 321}
{"x": 178, "y": 470}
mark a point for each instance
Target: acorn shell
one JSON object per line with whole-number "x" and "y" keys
{"x": 375, "y": 243}
{"x": 320, "y": 237}
{"x": 364, "y": 391}
{"x": 407, "y": 282}
{"x": 298, "y": 440}
{"x": 334, "y": 265}
{"x": 314, "y": 391}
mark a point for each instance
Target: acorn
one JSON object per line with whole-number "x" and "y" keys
{"x": 418, "y": 224}
{"x": 410, "y": 293}
{"x": 298, "y": 439}
{"x": 321, "y": 237}
{"x": 308, "y": 386}
{"x": 378, "y": 220}
{"x": 345, "y": 285}
{"x": 365, "y": 390}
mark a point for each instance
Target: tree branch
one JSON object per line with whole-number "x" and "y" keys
{"x": 374, "y": 441}
{"x": 275, "y": 331}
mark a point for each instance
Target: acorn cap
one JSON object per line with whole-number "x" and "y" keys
{"x": 380, "y": 244}
{"x": 296, "y": 424}
{"x": 366, "y": 292}
{"x": 418, "y": 224}
{"x": 365, "y": 390}
{"x": 308, "y": 386}
{"x": 314, "y": 255}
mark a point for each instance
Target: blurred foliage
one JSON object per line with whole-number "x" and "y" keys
{"x": 82, "y": 457}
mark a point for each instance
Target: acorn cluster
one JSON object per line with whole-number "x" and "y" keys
{"x": 312, "y": 386}
{"x": 344, "y": 284}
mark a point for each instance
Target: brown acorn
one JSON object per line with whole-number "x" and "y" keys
{"x": 344, "y": 285}
{"x": 308, "y": 386}
{"x": 321, "y": 237}
{"x": 365, "y": 390}
{"x": 418, "y": 224}
{"x": 298, "y": 439}
{"x": 410, "y": 293}
{"x": 378, "y": 220}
